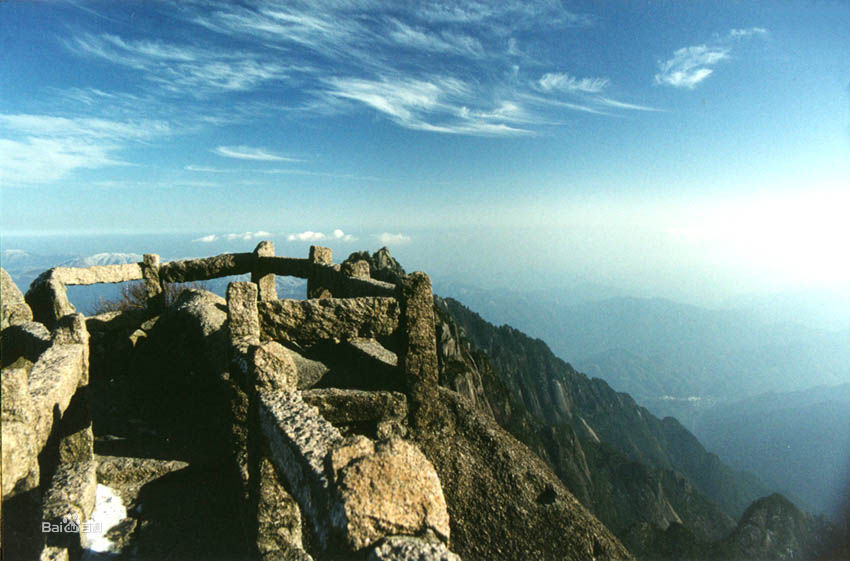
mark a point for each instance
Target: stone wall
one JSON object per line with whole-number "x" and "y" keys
{"x": 48, "y": 465}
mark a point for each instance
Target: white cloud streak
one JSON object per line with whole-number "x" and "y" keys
{"x": 244, "y": 236}
{"x": 690, "y": 66}
{"x": 558, "y": 81}
{"x": 388, "y": 238}
{"x": 251, "y": 153}
{"x": 310, "y": 236}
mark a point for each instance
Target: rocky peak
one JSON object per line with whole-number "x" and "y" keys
{"x": 382, "y": 264}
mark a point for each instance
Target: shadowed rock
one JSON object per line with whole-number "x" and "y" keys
{"x": 13, "y": 307}
{"x": 310, "y": 321}
{"x": 28, "y": 339}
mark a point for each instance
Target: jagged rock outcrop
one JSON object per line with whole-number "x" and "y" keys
{"x": 382, "y": 265}
{"x": 13, "y": 307}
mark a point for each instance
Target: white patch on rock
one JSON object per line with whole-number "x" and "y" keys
{"x": 109, "y": 510}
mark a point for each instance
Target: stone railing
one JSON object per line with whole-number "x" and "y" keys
{"x": 48, "y": 299}
{"x": 379, "y": 498}
{"x": 49, "y": 471}
{"x": 375, "y": 498}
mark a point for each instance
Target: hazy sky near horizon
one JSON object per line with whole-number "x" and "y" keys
{"x": 701, "y": 145}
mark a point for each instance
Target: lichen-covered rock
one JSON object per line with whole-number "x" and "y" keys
{"x": 13, "y": 307}
{"x": 386, "y": 488}
{"x": 409, "y": 548}
{"x": 310, "y": 321}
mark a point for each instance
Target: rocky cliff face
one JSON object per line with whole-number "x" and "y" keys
{"x": 648, "y": 480}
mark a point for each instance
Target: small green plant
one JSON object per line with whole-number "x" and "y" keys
{"x": 134, "y": 297}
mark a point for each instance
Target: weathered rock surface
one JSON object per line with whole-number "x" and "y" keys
{"x": 504, "y": 502}
{"x": 20, "y": 452}
{"x": 98, "y": 274}
{"x": 274, "y": 369}
{"x": 263, "y": 280}
{"x": 409, "y": 548}
{"x": 13, "y": 307}
{"x": 382, "y": 265}
{"x": 27, "y": 339}
{"x": 358, "y": 269}
{"x": 299, "y": 439}
{"x": 48, "y": 299}
{"x": 418, "y": 355}
{"x": 310, "y": 321}
{"x": 53, "y": 382}
{"x": 387, "y": 411}
{"x": 385, "y": 488}
{"x": 71, "y": 497}
{"x": 278, "y": 516}
{"x": 309, "y": 371}
{"x": 127, "y": 475}
{"x": 224, "y": 265}
{"x": 242, "y": 312}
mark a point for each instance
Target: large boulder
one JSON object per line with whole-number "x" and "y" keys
{"x": 13, "y": 307}
{"x": 385, "y": 488}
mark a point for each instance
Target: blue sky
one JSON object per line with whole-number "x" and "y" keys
{"x": 659, "y": 143}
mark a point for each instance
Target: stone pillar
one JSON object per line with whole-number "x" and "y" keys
{"x": 242, "y": 315}
{"x": 153, "y": 286}
{"x": 318, "y": 285}
{"x": 357, "y": 269}
{"x": 265, "y": 282}
{"x": 418, "y": 357}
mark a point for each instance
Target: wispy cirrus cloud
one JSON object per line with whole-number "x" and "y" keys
{"x": 180, "y": 68}
{"x": 690, "y": 66}
{"x": 561, "y": 81}
{"x": 436, "y": 105}
{"x": 251, "y": 153}
{"x": 344, "y": 56}
{"x": 45, "y": 148}
{"x": 311, "y": 236}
